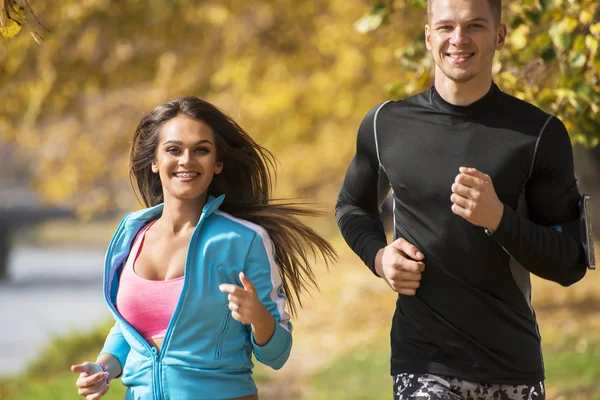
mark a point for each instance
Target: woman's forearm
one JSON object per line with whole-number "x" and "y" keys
{"x": 112, "y": 364}
{"x": 263, "y": 328}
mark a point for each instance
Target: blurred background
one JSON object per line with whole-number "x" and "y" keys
{"x": 299, "y": 76}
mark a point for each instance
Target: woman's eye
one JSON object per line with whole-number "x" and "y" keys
{"x": 173, "y": 150}
{"x": 202, "y": 150}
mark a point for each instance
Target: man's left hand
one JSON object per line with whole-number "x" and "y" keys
{"x": 474, "y": 198}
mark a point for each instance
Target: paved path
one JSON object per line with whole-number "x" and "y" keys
{"x": 50, "y": 292}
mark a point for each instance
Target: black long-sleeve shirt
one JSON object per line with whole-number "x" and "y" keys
{"x": 472, "y": 316}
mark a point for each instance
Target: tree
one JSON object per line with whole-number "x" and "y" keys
{"x": 551, "y": 57}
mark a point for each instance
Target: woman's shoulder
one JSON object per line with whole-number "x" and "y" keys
{"x": 230, "y": 222}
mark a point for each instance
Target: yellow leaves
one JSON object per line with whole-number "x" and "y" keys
{"x": 569, "y": 24}
{"x": 216, "y": 14}
{"x": 38, "y": 92}
{"x": 518, "y": 38}
{"x": 595, "y": 29}
{"x": 586, "y": 17}
{"x": 592, "y": 44}
{"x": 12, "y": 18}
{"x": 350, "y": 65}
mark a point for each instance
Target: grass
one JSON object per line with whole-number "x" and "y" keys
{"x": 341, "y": 344}
{"x": 363, "y": 374}
{"x": 49, "y": 377}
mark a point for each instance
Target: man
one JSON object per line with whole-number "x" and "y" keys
{"x": 465, "y": 162}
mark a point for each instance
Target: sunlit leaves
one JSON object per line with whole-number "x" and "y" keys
{"x": 12, "y": 18}
{"x": 373, "y": 19}
{"x": 296, "y": 75}
{"x": 551, "y": 58}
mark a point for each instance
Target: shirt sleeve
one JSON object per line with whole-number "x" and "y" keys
{"x": 116, "y": 345}
{"x": 547, "y": 243}
{"x": 359, "y": 201}
{"x": 263, "y": 272}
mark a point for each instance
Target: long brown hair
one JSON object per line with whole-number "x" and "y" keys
{"x": 247, "y": 183}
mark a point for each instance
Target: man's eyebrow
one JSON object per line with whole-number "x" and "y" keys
{"x": 448, "y": 21}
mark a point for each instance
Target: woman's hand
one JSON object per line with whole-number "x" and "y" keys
{"x": 92, "y": 381}
{"x": 244, "y": 303}
{"x": 247, "y": 308}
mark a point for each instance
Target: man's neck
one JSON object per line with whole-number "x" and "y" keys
{"x": 462, "y": 93}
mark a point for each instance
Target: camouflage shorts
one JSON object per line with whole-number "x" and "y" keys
{"x": 437, "y": 387}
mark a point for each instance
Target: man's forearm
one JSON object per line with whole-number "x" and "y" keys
{"x": 364, "y": 234}
{"x": 544, "y": 251}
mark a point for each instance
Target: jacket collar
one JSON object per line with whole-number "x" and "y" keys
{"x": 149, "y": 214}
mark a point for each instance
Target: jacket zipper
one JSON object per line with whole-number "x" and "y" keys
{"x": 157, "y": 358}
{"x": 169, "y": 331}
{"x": 219, "y": 350}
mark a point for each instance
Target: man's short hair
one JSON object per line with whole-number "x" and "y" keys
{"x": 495, "y": 6}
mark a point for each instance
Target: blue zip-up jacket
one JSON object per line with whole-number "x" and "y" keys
{"x": 206, "y": 354}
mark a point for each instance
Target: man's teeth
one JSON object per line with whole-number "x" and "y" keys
{"x": 460, "y": 55}
{"x": 186, "y": 174}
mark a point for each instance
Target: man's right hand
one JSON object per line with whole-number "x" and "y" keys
{"x": 400, "y": 264}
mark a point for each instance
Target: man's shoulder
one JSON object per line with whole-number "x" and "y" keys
{"x": 519, "y": 108}
{"x": 407, "y": 104}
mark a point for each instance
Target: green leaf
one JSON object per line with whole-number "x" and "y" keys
{"x": 516, "y": 21}
{"x": 548, "y": 54}
{"x": 373, "y": 20}
{"x": 533, "y": 15}
{"x": 549, "y": 5}
{"x": 577, "y": 60}
{"x": 560, "y": 37}
{"x": 579, "y": 44}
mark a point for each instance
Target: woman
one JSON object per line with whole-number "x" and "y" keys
{"x": 194, "y": 281}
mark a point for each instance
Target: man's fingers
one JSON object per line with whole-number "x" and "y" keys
{"x": 408, "y": 249}
{"x": 407, "y": 292}
{"x": 464, "y": 191}
{"x": 461, "y": 201}
{"x": 410, "y": 276}
{"x": 479, "y": 176}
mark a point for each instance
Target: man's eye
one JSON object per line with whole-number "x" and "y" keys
{"x": 476, "y": 26}
{"x": 445, "y": 28}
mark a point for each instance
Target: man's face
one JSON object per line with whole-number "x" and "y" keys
{"x": 462, "y": 36}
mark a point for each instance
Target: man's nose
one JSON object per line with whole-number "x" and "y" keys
{"x": 459, "y": 37}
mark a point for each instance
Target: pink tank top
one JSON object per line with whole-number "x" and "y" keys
{"x": 146, "y": 304}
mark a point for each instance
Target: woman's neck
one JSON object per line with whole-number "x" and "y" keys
{"x": 180, "y": 216}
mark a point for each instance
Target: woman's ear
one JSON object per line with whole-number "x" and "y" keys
{"x": 218, "y": 167}
{"x": 155, "y": 167}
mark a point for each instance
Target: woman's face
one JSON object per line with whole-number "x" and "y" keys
{"x": 186, "y": 159}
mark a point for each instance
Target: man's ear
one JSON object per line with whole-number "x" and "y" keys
{"x": 501, "y": 37}
{"x": 427, "y": 37}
